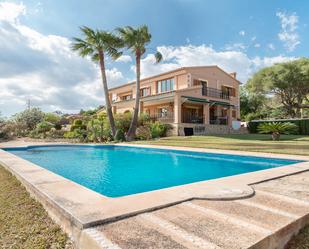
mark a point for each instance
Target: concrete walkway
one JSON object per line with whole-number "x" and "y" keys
{"x": 278, "y": 209}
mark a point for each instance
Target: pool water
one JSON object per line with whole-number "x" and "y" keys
{"x": 116, "y": 171}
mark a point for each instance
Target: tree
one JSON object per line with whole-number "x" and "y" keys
{"x": 276, "y": 128}
{"x": 29, "y": 118}
{"x": 97, "y": 44}
{"x": 288, "y": 81}
{"x": 44, "y": 127}
{"x": 136, "y": 41}
{"x": 52, "y": 118}
{"x": 251, "y": 105}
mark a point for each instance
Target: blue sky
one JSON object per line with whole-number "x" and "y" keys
{"x": 238, "y": 35}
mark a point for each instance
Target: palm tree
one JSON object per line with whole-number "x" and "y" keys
{"x": 277, "y": 128}
{"x": 136, "y": 40}
{"x": 97, "y": 44}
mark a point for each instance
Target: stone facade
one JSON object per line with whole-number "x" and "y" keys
{"x": 206, "y": 129}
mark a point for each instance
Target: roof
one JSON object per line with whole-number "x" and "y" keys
{"x": 173, "y": 71}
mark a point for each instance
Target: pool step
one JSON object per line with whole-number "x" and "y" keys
{"x": 265, "y": 221}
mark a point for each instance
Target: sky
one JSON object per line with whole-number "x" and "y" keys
{"x": 37, "y": 64}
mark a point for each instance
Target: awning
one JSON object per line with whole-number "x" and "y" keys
{"x": 213, "y": 102}
{"x": 193, "y": 99}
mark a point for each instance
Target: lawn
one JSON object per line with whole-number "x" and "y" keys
{"x": 288, "y": 144}
{"x": 23, "y": 221}
{"x": 300, "y": 241}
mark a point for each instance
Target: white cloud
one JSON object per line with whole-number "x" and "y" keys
{"x": 271, "y": 46}
{"x": 257, "y": 45}
{"x": 253, "y": 38}
{"x": 43, "y": 68}
{"x": 10, "y": 11}
{"x": 242, "y": 33}
{"x": 236, "y": 46}
{"x": 288, "y": 33}
{"x": 124, "y": 58}
{"x": 190, "y": 55}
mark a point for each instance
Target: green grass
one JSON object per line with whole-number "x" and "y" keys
{"x": 23, "y": 221}
{"x": 300, "y": 241}
{"x": 288, "y": 144}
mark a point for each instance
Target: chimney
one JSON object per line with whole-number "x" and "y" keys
{"x": 233, "y": 74}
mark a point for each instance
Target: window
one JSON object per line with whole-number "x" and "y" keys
{"x": 165, "y": 85}
{"x": 145, "y": 91}
{"x": 114, "y": 97}
{"x": 126, "y": 97}
{"x": 234, "y": 113}
{"x": 229, "y": 91}
{"x": 162, "y": 112}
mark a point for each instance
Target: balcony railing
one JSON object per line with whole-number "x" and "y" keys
{"x": 163, "y": 117}
{"x": 219, "y": 121}
{"x": 192, "y": 118}
{"x": 216, "y": 93}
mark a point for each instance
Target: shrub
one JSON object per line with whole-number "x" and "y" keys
{"x": 55, "y": 134}
{"x": 120, "y": 135}
{"x": 52, "y": 118}
{"x": 42, "y": 128}
{"x": 58, "y": 126}
{"x": 158, "y": 129}
{"x": 98, "y": 130}
{"x": 29, "y": 118}
{"x": 123, "y": 121}
{"x": 276, "y": 128}
{"x": 78, "y": 125}
{"x": 143, "y": 133}
{"x": 143, "y": 119}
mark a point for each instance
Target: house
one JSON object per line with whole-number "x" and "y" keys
{"x": 194, "y": 100}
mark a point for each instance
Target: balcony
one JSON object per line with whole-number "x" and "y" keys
{"x": 192, "y": 118}
{"x": 218, "y": 121}
{"x": 216, "y": 93}
{"x": 167, "y": 117}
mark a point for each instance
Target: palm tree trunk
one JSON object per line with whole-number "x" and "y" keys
{"x": 107, "y": 100}
{"x": 131, "y": 133}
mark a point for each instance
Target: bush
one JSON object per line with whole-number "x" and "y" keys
{"x": 143, "y": 133}
{"x": 158, "y": 129}
{"x": 58, "y": 126}
{"x": 123, "y": 121}
{"x": 55, "y": 134}
{"x": 52, "y": 118}
{"x": 78, "y": 125}
{"x": 120, "y": 135}
{"x": 143, "y": 119}
{"x": 29, "y": 119}
{"x": 302, "y": 125}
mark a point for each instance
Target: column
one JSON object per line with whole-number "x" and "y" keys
{"x": 177, "y": 109}
{"x": 141, "y": 106}
{"x": 230, "y": 116}
{"x": 114, "y": 109}
{"x": 206, "y": 113}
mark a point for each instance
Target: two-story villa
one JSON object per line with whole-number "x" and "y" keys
{"x": 195, "y": 100}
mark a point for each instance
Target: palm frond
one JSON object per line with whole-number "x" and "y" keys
{"x": 158, "y": 56}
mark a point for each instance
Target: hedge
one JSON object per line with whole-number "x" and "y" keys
{"x": 302, "y": 124}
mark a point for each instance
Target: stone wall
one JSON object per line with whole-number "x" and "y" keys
{"x": 206, "y": 129}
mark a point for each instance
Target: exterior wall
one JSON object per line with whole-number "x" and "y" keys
{"x": 183, "y": 87}
{"x": 204, "y": 129}
{"x": 216, "y": 78}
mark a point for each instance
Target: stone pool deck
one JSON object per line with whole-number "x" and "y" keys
{"x": 272, "y": 205}
{"x": 268, "y": 219}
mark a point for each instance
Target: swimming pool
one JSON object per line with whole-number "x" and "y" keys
{"x": 116, "y": 171}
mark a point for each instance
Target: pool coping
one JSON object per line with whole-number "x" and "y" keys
{"x": 87, "y": 208}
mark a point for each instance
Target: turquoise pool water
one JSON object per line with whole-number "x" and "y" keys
{"x": 117, "y": 171}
